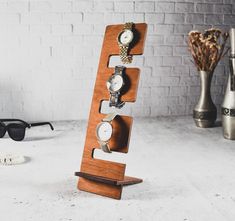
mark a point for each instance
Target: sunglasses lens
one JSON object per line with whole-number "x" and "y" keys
{"x": 16, "y": 131}
{"x": 2, "y": 130}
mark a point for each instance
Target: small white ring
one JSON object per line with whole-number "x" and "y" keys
{"x": 11, "y": 159}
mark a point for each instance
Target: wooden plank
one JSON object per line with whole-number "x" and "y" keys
{"x": 121, "y": 125}
{"x": 127, "y": 179}
{"x": 102, "y": 189}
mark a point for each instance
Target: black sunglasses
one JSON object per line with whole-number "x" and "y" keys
{"x": 16, "y": 131}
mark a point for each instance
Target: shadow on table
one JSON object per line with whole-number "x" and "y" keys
{"x": 218, "y": 123}
{"x": 141, "y": 191}
{"x": 38, "y": 138}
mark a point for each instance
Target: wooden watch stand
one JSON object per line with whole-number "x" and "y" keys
{"x": 98, "y": 176}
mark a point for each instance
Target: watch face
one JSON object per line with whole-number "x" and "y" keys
{"x": 104, "y": 131}
{"x": 115, "y": 83}
{"x": 126, "y": 37}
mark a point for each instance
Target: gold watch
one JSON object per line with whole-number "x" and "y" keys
{"x": 125, "y": 37}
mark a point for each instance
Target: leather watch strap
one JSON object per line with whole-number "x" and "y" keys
{"x": 105, "y": 147}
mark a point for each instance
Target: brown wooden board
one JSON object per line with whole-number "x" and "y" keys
{"x": 107, "y": 170}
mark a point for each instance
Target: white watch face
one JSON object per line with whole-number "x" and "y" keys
{"x": 104, "y": 131}
{"x": 126, "y": 37}
{"x": 115, "y": 83}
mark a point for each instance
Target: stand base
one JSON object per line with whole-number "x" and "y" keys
{"x": 104, "y": 186}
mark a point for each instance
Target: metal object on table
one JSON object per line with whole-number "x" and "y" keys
{"x": 205, "y": 111}
{"x": 228, "y": 105}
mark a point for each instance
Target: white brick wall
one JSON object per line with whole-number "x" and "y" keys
{"x": 50, "y": 49}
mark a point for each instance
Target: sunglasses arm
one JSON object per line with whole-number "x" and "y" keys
{"x": 41, "y": 124}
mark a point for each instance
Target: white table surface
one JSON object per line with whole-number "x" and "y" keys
{"x": 189, "y": 175}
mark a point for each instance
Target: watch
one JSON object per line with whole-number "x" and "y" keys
{"x": 114, "y": 84}
{"x": 125, "y": 37}
{"x": 104, "y": 131}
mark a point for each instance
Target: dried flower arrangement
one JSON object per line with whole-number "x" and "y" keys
{"x": 207, "y": 48}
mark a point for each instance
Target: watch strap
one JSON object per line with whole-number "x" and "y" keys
{"x": 119, "y": 69}
{"x": 105, "y": 147}
{"x": 114, "y": 100}
{"x": 128, "y": 25}
{"x": 109, "y": 117}
{"x": 125, "y": 58}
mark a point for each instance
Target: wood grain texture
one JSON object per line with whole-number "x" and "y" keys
{"x": 121, "y": 124}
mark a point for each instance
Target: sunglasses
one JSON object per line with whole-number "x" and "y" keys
{"x": 16, "y": 130}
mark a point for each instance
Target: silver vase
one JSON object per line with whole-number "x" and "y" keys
{"x": 205, "y": 111}
{"x": 228, "y": 105}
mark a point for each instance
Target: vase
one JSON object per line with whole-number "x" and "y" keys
{"x": 228, "y": 111}
{"x": 205, "y": 111}
{"x": 228, "y": 105}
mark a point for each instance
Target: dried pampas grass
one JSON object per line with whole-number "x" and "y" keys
{"x": 207, "y": 48}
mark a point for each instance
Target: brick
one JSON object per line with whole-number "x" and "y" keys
{"x": 31, "y": 18}
{"x": 165, "y": 7}
{"x": 229, "y": 19}
{"x": 153, "y": 18}
{"x": 153, "y": 61}
{"x": 124, "y": 6}
{"x": 145, "y": 92}
{"x": 170, "y": 80}
{"x": 182, "y": 29}
{"x": 175, "y": 39}
{"x": 40, "y": 6}
{"x": 137, "y": 17}
{"x": 214, "y": 19}
{"x": 194, "y": 90}
{"x": 163, "y": 50}
{"x": 181, "y": 50}
{"x": 202, "y": 27}
{"x": 61, "y": 29}
{"x": 174, "y": 18}
{"x": 214, "y": 1}
{"x": 155, "y": 39}
{"x": 98, "y": 29}
{"x": 162, "y": 71}
{"x": 51, "y": 18}
{"x": 144, "y": 6}
{"x": 93, "y": 18}
{"x": 18, "y": 6}
{"x": 149, "y": 50}
{"x": 184, "y": 7}
{"x": 83, "y": 29}
{"x": 176, "y": 60}
{"x": 40, "y": 29}
{"x": 72, "y": 18}
{"x": 164, "y": 29}
{"x": 164, "y": 100}
{"x": 9, "y": 18}
{"x": 204, "y": 8}
{"x": 181, "y": 70}
{"x": 73, "y": 40}
{"x": 61, "y": 6}
{"x": 103, "y": 6}
{"x": 177, "y": 110}
{"x": 158, "y": 91}
{"x": 114, "y": 17}
{"x": 178, "y": 90}
{"x": 4, "y": 7}
{"x": 85, "y": 6}
{"x": 151, "y": 81}
{"x": 140, "y": 111}
{"x": 159, "y": 111}
{"x": 195, "y": 18}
